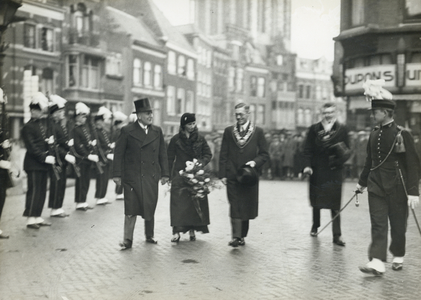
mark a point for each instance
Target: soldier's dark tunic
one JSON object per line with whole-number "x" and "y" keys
{"x": 83, "y": 147}
{"x": 386, "y": 193}
{"x": 102, "y": 179}
{"x": 58, "y": 187}
{"x": 34, "y": 135}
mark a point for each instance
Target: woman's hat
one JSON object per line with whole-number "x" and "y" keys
{"x": 247, "y": 175}
{"x": 142, "y": 105}
{"x": 187, "y": 118}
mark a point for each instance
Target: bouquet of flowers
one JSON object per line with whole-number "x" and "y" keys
{"x": 198, "y": 181}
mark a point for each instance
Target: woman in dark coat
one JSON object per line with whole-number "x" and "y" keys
{"x": 186, "y": 146}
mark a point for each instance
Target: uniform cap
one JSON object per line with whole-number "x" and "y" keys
{"x": 56, "y": 103}
{"x": 39, "y": 101}
{"x": 82, "y": 109}
{"x": 119, "y": 116}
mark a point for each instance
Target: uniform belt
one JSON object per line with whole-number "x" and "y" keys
{"x": 386, "y": 165}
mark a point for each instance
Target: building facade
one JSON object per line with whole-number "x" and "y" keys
{"x": 380, "y": 40}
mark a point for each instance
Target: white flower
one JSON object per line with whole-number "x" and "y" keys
{"x": 200, "y": 172}
{"x": 194, "y": 180}
{"x": 189, "y": 166}
{"x": 207, "y": 179}
{"x": 181, "y": 172}
{"x": 190, "y": 175}
{"x": 195, "y": 161}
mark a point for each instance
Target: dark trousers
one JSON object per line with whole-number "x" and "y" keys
{"x": 240, "y": 228}
{"x": 382, "y": 211}
{"x": 102, "y": 182}
{"x": 57, "y": 189}
{"x": 336, "y": 224}
{"x": 129, "y": 224}
{"x": 3, "y": 188}
{"x": 82, "y": 182}
{"x": 119, "y": 189}
{"x": 35, "y": 196}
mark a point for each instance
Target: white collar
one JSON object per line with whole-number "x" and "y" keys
{"x": 328, "y": 126}
{"x": 245, "y": 125}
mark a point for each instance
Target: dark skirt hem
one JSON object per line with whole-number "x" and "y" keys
{"x": 184, "y": 229}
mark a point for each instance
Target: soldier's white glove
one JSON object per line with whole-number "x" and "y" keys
{"x": 50, "y": 160}
{"x": 6, "y": 144}
{"x": 93, "y": 143}
{"x": 93, "y": 157}
{"x": 70, "y": 158}
{"x": 251, "y": 163}
{"x": 360, "y": 188}
{"x": 308, "y": 171}
{"x": 112, "y": 145}
{"x": 5, "y": 164}
{"x": 50, "y": 140}
{"x": 413, "y": 201}
{"x": 110, "y": 156}
{"x": 71, "y": 142}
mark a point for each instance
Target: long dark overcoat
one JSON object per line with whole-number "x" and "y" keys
{"x": 326, "y": 180}
{"x": 182, "y": 209}
{"x": 243, "y": 199}
{"x": 140, "y": 160}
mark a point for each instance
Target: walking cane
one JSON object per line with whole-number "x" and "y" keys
{"x": 337, "y": 215}
{"x": 406, "y": 193}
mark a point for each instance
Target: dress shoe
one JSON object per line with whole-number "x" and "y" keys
{"x": 242, "y": 242}
{"x": 61, "y": 215}
{"x": 44, "y": 224}
{"x": 397, "y": 266}
{"x": 234, "y": 242}
{"x": 3, "y": 236}
{"x": 192, "y": 238}
{"x": 375, "y": 267}
{"x": 151, "y": 240}
{"x": 176, "y": 238}
{"x": 33, "y": 226}
{"x": 82, "y": 208}
{"x": 313, "y": 232}
{"x": 338, "y": 241}
{"x": 369, "y": 270}
{"x": 126, "y": 244}
{"x": 119, "y": 197}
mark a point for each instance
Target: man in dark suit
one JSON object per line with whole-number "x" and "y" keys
{"x": 140, "y": 161}
{"x": 242, "y": 144}
{"x": 37, "y": 162}
{"x": 391, "y": 174}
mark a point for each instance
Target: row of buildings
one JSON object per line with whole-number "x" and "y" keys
{"x": 111, "y": 52}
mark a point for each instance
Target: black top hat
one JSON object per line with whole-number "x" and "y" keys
{"x": 247, "y": 175}
{"x": 142, "y": 105}
{"x": 382, "y": 103}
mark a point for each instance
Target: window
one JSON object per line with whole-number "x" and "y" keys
{"x": 137, "y": 72}
{"x": 47, "y": 39}
{"x": 300, "y": 91}
{"x": 357, "y": 12}
{"x": 47, "y": 81}
{"x": 171, "y": 62}
{"x": 171, "y": 100}
{"x": 73, "y": 67}
{"x": 300, "y": 117}
{"x": 90, "y": 72}
{"x": 29, "y": 38}
{"x": 307, "y": 117}
{"x": 239, "y": 80}
{"x": 260, "y": 117}
{"x": 261, "y": 86}
{"x": 253, "y": 86}
{"x": 253, "y": 113}
{"x": 190, "y": 101}
{"x": 190, "y": 69}
{"x": 308, "y": 92}
{"x": 318, "y": 92}
{"x": 157, "y": 82}
{"x": 413, "y": 9}
{"x": 235, "y": 52}
{"x": 180, "y": 101}
{"x": 147, "y": 74}
{"x": 279, "y": 60}
{"x": 181, "y": 65}
{"x": 231, "y": 79}
{"x": 209, "y": 59}
{"x": 113, "y": 66}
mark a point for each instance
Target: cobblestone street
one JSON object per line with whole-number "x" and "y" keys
{"x": 79, "y": 257}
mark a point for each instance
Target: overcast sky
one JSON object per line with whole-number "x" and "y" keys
{"x": 314, "y": 24}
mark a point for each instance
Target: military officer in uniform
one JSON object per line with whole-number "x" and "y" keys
{"x": 37, "y": 162}
{"x": 391, "y": 176}
{"x": 58, "y": 129}
{"x": 84, "y": 147}
{"x": 105, "y": 155}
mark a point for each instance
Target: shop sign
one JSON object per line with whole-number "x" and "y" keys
{"x": 413, "y": 75}
{"x": 354, "y": 78}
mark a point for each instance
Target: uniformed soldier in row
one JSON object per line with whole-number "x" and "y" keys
{"x": 38, "y": 161}
{"x": 105, "y": 155}
{"x": 84, "y": 145}
{"x": 119, "y": 119}
{"x": 391, "y": 176}
{"x": 58, "y": 177}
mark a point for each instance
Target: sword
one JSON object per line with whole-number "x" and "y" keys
{"x": 406, "y": 193}
{"x": 339, "y": 212}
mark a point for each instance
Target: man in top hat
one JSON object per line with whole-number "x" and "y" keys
{"x": 391, "y": 176}
{"x": 140, "y": 161}
{"x": 37, "y": 162}
{"x": 242, "y": 144}
{"x": 324, "y": 162}
{"x": 119, "y": 119}
{"x": 105, "y": 155}
{"x": 57, "y": 128}
{"x": 85, "y": 154}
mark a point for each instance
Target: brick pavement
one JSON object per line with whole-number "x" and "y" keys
{"x": 79, "y": 258}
